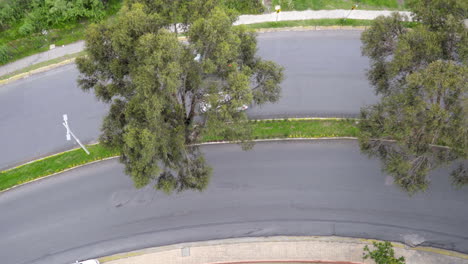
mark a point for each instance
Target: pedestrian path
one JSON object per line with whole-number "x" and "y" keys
{"x": 58, "y": 52}
{"x": 286, "y": 249}
{"x": 316, "y": 14}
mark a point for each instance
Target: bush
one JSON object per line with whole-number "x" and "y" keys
{"x": 27, "y": 28}
{"x": 382, "y": 254}
{"x": 11, "y": 11}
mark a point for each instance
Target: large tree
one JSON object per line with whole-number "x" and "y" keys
{"x": 156, "y": 84}
{"x": 422, "y": 79}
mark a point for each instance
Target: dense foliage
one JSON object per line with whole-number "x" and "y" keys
{"x": 36, "y": 15}
{"x": 30, "y": 26}
{"x": 245, "y": 6}
{"x": 422, "y": 77}
{"x": 156, "y": 85}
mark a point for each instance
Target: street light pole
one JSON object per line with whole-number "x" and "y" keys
{"x": 69, "y": 132}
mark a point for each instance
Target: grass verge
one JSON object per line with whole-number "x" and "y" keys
{"x": 42, "y": 64}
{"x": 262, "y": 130}
{"x": 318, "y": 22}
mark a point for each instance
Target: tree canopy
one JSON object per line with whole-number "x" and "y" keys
{"x": 156, "y": 84}
{"x": 422, "y": 78}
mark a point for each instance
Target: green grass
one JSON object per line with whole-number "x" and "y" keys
{"x": 338, "y": 4}
{"x": 262, "y": 130}
{"x": 318, "y": 22}
{"x": 42, "y": 64}
{"x": 266, "y": 129}
{"x": 304, "y": 128}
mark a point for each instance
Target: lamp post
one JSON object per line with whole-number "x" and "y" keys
{"x": 70, "y": 133}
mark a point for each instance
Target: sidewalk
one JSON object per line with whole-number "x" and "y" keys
{"x": 319, "y": 14}
{"x": 244, "y": 19}
{"x": 282, "y": 248}
{"x": 41, "y": 57}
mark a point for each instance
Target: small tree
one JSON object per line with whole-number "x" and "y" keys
{"x": 382, "y": 254}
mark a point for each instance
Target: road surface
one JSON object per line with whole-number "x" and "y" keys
{"x": 325, "y": 76}
{"x": 301, "y": 188}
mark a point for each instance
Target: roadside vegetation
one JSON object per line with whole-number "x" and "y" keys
{"x": 28, "y": 27}
{"x": 261, "y": 130}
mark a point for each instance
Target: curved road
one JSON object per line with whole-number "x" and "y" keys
{"x": 325, "y": 76}
{"x": 283, "y": 188}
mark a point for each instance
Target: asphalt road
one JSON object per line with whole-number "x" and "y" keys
{"x": 294, "y": 188}
{"x": 325, "y": 76}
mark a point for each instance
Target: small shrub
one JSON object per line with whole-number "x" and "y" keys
{"x": 382, "y": 254}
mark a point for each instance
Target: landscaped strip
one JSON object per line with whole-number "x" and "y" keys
{"x": 261, "y": 130}
{"x": 325, "y": 22}
{"x": 285, "y": 128}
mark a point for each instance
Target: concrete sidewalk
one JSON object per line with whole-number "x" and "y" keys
{"x": 281, "y": 248}
{"x": 244, "y": 19}
{"x": 316, "y": 14}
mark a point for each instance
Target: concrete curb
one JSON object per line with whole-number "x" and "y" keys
{"x": 278, "y": 139}
{"x": 170, "y": 253}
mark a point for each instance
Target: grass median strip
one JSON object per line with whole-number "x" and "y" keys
{"x": 261, "y": 130}
{"x": 52, "y": 164}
